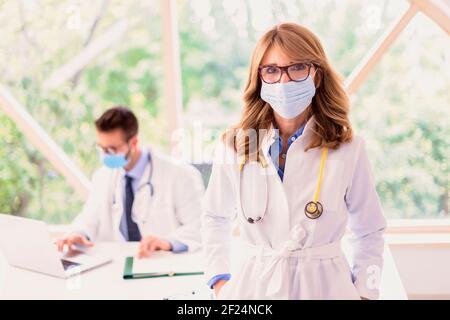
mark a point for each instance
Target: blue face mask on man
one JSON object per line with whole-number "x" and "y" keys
{"x": 115, "y": 161}
{"x": 289, "y": 99}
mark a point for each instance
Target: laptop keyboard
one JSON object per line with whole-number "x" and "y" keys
{"x": 69, "y": 264}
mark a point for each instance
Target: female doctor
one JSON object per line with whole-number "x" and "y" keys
{"x": 295, "y": 175}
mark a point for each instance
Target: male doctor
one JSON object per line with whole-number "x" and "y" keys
{"x": 138, "y": 195}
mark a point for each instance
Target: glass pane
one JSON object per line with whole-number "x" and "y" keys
{"x": 38, "y": 38}
{"x": 217, "y": 38}
{"x": 403, "y": 112}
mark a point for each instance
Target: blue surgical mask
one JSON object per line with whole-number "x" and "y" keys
{"x": 289, "y": 99}
{"x": 115, "y": 161}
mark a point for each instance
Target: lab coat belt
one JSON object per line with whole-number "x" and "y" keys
{"x": 291, "y": 249}
{"x": 274, "y": 272}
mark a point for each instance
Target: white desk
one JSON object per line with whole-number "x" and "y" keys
{"x": 106, "y": 282}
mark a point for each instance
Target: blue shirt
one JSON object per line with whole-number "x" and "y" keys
{"x": 276, "y": 148}
{"x": 274, "y": 152}
{"x": 136, "y": 173}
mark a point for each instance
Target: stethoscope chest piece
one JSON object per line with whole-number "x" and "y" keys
{"x": 251, "y": 220}
{"x": 313, "y": 209}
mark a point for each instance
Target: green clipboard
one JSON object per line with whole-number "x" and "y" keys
{"x": 128, "y": 272}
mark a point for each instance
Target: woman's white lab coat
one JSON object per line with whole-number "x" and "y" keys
{"x": 287, "y": 255}
{"x": 172, "y": 213}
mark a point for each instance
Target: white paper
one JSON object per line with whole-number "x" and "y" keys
{"x": 167, "y": 262}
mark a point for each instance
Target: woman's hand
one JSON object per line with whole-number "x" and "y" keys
{"x": 150, "y": 244}
{"x": 218, "y": 285}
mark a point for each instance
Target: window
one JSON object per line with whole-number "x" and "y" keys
{"x": 402, "y": 109}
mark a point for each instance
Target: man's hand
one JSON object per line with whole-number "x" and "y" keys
{"x": 150, "y": 244}
{"x": 72, "y": 239}
{"x": 218, "y": 286}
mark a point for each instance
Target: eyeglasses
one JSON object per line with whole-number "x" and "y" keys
{"x": 109, "y": 150}
{"x": 296, "y": 72}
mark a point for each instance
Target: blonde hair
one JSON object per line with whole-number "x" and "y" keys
{"x": 330, "y": 105}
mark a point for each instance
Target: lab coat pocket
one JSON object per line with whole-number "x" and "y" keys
{"x": 242, "y": 274}
{"x": 349, "y": 290}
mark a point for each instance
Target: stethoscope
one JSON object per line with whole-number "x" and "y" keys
{"x": 142, "y": 186}
{"x": 313, "y": 209}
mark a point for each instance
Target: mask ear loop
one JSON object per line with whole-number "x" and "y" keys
{"x": 129, "y": 150}
{"x": 127, "y": 155}
{"x": 317, "y": 69}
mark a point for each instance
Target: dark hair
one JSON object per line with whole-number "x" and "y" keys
{"x": 118, "y": 117}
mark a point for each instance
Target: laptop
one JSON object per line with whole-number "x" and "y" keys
{"x": 26, "y": 244}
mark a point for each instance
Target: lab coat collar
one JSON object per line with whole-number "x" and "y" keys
{"x": 141, "y": 169}
{"x": 268, "y": 140}
{"x": 148, "y": 167}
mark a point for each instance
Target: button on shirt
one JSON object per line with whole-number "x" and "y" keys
{"x": 136, "y": 173}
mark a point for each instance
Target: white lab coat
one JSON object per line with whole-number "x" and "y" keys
{"x": 172, "y": 213}
{"x": 287, "y": 255}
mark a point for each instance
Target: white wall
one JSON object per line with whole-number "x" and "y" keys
{"x": 424, "y": 269}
